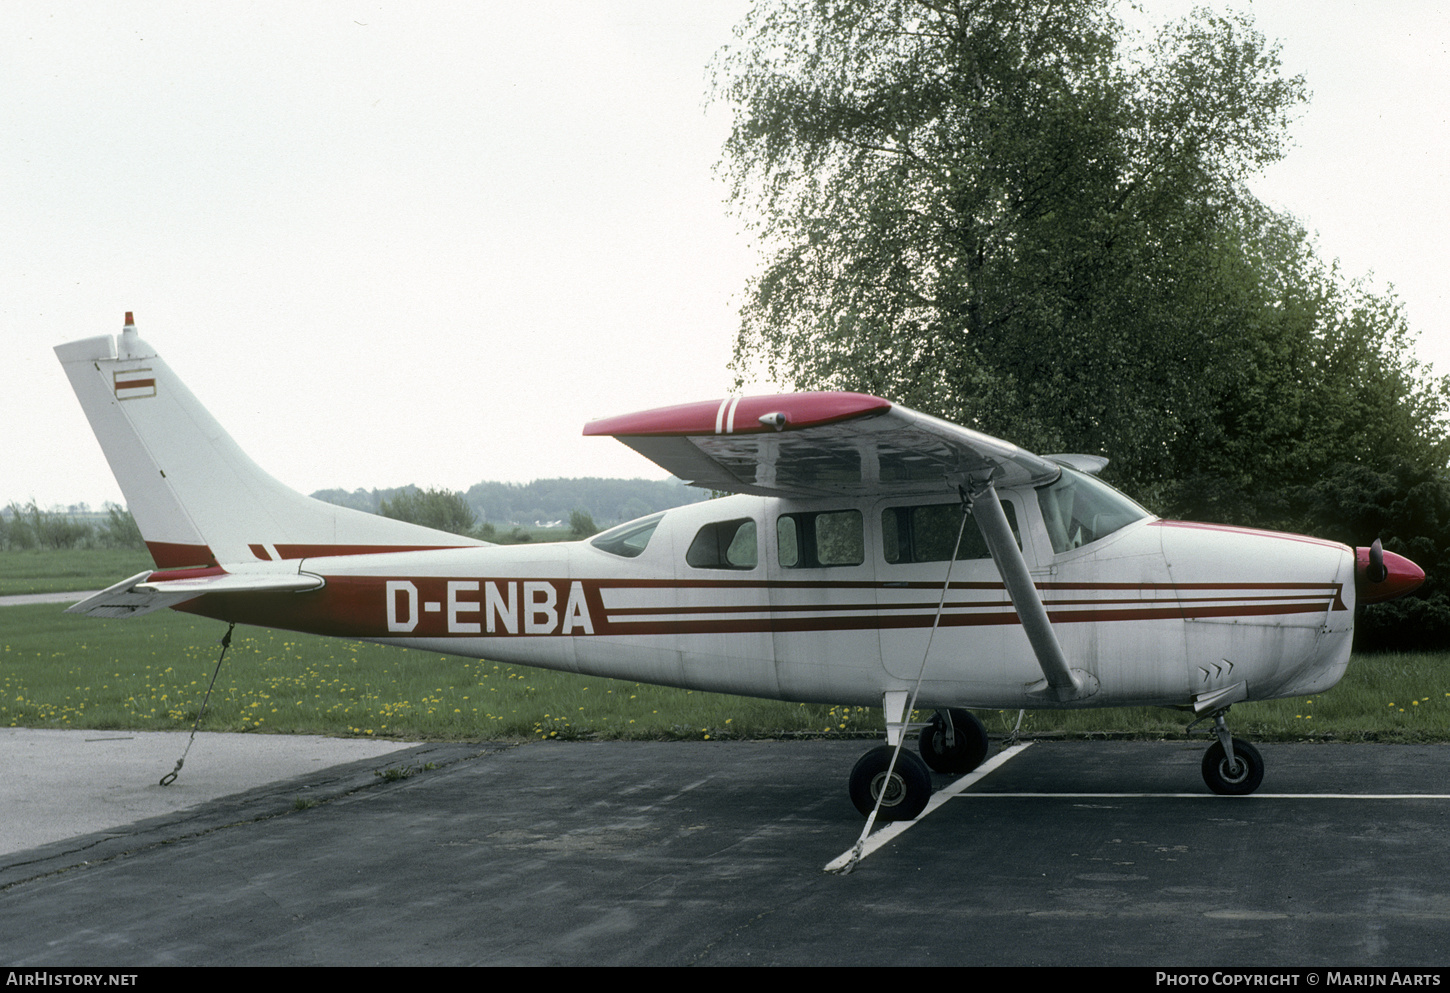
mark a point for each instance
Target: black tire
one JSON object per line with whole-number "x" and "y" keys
{"x": 907, "y": 791}
{"x": 1242, "y": 779}
{"x": 969, "y": 751}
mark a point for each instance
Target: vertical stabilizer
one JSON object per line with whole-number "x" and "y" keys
{"x": 197, "y": 498}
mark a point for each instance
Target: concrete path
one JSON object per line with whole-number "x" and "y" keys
{"x": 59, "y": 784}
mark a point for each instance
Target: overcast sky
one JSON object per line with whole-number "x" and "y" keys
{"x": 394, "y": 243}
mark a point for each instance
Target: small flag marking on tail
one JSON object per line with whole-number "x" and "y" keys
{"x": 133, "y": 384}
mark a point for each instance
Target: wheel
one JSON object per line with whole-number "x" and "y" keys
{"x": 1240, "y": 780}
{"x": 965, "y": 755}
{"x": 907, "y": 790}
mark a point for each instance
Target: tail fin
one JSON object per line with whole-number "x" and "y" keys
{"x": 197, "y": 498}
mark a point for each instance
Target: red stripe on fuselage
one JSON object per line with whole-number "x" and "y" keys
{"x": 502, "y": 607}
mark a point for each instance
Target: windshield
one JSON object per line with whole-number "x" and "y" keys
{"x": 628, "y": 539}
{"x": 1080, "y": 509}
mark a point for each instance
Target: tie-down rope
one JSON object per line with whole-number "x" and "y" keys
{"x": 226, "y": 643}
{"x": 860, "y": 845}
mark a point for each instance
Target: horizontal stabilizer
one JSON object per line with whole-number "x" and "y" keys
{"x": 141, "y": 594}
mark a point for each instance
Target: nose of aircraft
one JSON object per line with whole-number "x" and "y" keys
{"x": 1380, "y": 575}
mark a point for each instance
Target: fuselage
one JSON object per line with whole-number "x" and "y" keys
{"x": 835, "y": 601}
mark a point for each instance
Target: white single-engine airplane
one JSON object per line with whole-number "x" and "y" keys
{"x": 847, "y": 551}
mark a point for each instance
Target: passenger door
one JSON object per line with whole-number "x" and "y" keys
{"x": 917, "y": 540}
{"x": 821, "y": 564}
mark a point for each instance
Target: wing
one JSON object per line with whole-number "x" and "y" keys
{"x": 820, "y": 444}
{"x": 833, "y": 444}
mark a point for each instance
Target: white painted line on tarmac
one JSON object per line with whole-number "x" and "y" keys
{"x": 1215, "y": 796}
{"x": 896, "y": 828}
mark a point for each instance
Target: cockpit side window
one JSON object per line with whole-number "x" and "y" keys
{"x": 724, "y": 545}
{"x": 628, "y": 539}
{"x": 1079, "y": 509}
{"x": 929, "y": 533}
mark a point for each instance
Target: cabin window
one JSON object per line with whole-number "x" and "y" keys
{"x": 724, "y": 545}
{"x": 1079, "y": 509}
{"x": 628, "y": 539}
{"x": 929, "y": 533}
{"x": 816, "y": 540}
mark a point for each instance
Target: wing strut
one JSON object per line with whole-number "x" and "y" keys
{"x": 1062, "y": 683}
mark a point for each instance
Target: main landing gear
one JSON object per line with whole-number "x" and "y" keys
{"x": 906, "y": 788}
{"x": 1231, "y": 767}
{"x": 952, "y": 742}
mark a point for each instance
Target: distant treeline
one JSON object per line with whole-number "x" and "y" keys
{"x": 28, "y": 527}
{"x": 543, "y": 502}
{"x": 546, "y": 501}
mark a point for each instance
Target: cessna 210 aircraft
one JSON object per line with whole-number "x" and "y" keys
{"x": 860, "y": 533}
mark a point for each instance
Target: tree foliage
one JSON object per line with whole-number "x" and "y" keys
{"x": 988, "y": 211}
{"x": 442, "y": 510}
{"x": 609, "y": 500}
{"x": 1407, "y": 507}
{"x": 31, "y": 527}
{"x": 119, "y": 529}
{"x": 1014, "y": 215}
{"x": 581, "y": 525}
{"x": 999, "y": 212}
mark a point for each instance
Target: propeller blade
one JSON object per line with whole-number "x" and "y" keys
{"x": 1377, "y": 572}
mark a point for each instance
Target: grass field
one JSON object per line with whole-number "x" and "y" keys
{"x": 59, "y": 670}
{"x": 52, "y": 571}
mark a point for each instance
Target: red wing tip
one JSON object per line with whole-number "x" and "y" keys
{"x": 743, "y": 415}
